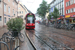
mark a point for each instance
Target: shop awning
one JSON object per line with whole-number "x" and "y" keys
{"x": 67, "y": 16}
{"x": 58, "y": 18}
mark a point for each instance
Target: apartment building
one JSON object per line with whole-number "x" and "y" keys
{"x": 59, "y": 4}
{"x": 69, "y": 8}
{"x": 22, "y": 11}
{"x": 8, "y": 10}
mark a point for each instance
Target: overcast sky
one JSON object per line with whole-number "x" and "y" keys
{"x": 32, "y": 5}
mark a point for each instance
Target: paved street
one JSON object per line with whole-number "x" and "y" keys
{"x": 47, "y": 38}
{"x": 26, "y": 45}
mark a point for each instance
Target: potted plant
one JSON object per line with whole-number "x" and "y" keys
{"x": 16, "y": 25}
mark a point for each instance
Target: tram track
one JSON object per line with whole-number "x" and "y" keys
{"x": 51, "y": 39}
{"x": 62, "y": 34}
{"x": 44, "y": 42}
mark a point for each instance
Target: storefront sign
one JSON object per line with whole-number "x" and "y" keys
{"x": 67, "y": 16}
{"x": 72, "y": 15}
{"x": 7, "y": 15}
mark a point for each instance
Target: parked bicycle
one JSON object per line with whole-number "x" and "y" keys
{"x": 6, "y": 47}
{"x": 21, "y": 36}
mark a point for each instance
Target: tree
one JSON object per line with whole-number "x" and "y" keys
{"x": 49, "y": 17}
{"x": 55, "y": 13}
{"x": 43, "y": 9}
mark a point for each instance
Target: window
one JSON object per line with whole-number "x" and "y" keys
{"x": 66, "y": 4}
{"x": 63, "y": 11}
{"x": 66, "y": 11}
{"x": 30, "y": 19}
{"x": 4, "y": 19}
{"x": 4, "y": 7}
{"x": 16, "y": 12}
{"x": 19, "y": 8}
{"x": 74, "y": 1}
{"x": 71, "y": 10}
{"x": 0, "y": 18}
{"x": 69, "y": 3}
{"x": 74, "y": 9}
{"x": 13, "y": 2}
{"x": 9, "y": 18}
{"x": 21, "y": 16}
{"x": 13, "y": 11}
{"x": 22, "y": 12}
{"x": 9, "y": 9}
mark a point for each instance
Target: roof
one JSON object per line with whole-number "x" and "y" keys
{"x": 16, "y": 1}
{"x": 52, "y": 2}
{"x": 23, "y": 6}
{"x": 27, "y": 9}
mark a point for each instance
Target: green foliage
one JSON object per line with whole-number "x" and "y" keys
{"x": 55, "y": 13}
{"x": 49, "y": 17}
{"x": 43, "y": 9}
{"x": 15, "y": 24}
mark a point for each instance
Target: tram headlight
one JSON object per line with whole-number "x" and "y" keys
{"x": 26, "y": 24}
{"x": 33, "y": 24}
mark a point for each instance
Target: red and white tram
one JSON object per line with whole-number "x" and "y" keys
{"x": 30, "y": 21}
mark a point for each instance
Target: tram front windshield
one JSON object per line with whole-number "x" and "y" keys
{"x": 30, "y": 19}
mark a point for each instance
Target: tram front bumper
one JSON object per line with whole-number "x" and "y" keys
{"x": 30, "y": 27}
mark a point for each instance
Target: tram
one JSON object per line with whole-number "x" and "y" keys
{"x": 30, "y": 21}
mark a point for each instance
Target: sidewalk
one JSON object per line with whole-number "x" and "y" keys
{"x": 2, "y": 31}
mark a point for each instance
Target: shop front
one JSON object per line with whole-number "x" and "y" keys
{"x": 70, "y": 19}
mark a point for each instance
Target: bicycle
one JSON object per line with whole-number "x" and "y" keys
{"x": 7, "y": 47}
{"x": 21, "y": 36}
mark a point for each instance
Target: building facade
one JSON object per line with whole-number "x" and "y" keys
{"x": 8, "y": 10}
{"x": 59, "y": 4}
{"x": 22, "y": 11}
{"x": 69, "y": 8}
{"x": 1, "y": 13}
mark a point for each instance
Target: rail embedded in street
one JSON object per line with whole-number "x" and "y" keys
{"x": 54, "y": 41}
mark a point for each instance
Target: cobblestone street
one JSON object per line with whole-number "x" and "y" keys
{"x": 58, "y": 38}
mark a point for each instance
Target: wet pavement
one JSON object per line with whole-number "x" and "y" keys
{"x": 47, "y": 38}
{"x": 26, "y": 45}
